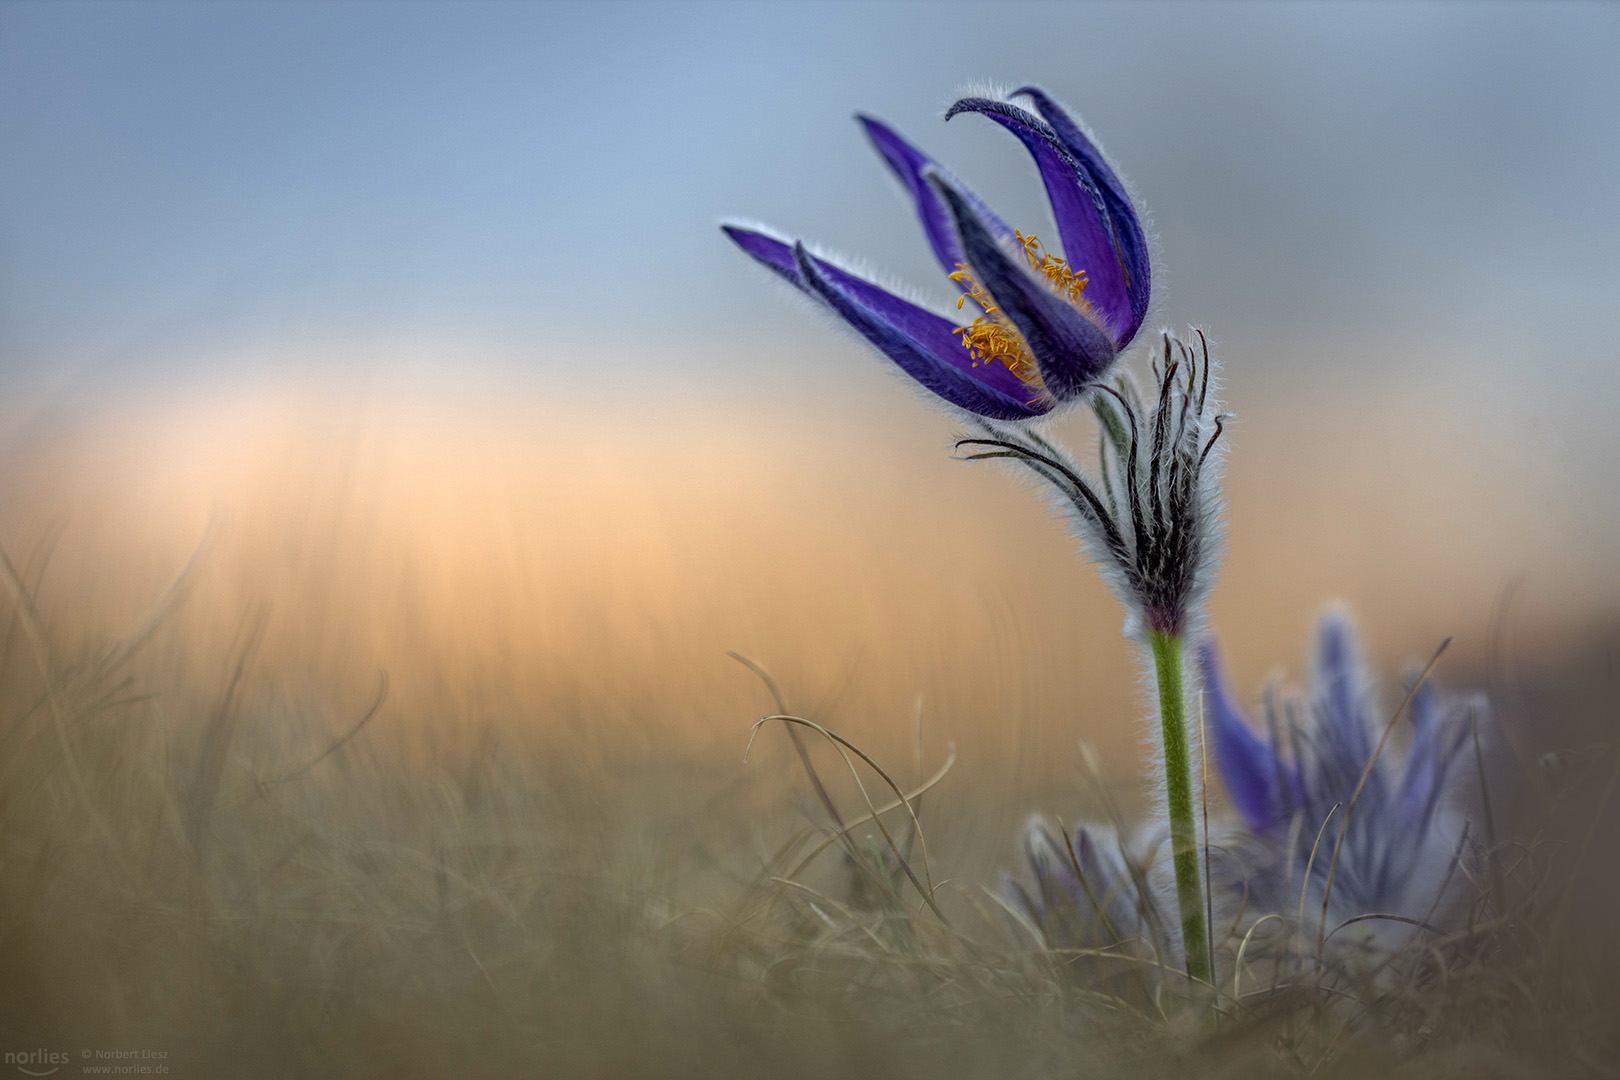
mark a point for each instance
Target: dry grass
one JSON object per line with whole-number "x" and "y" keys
{"x": 262, "y": 886}
{"x": 530, "y": 850}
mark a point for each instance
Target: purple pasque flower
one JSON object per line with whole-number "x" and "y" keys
{"x": 1047, "y": 327}
{"x": 1404, "y": 829}
{"x": 1088, "y": 889}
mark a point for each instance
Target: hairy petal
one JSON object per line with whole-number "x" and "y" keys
{"x": 923, "y": 343}
{"x": 908, "y": 164}
{"x": 1018, "y": 898}
{"x": 1127, "y": 226}
{"x": 956, "y": 386}
{"x": 1071, "y": 350}
{"x": 1340, "y": 701}
{"x": 1110, "y": 882}
{"x": 1248, "y": 765}
{"x": 1439, "y": 733}
{"x": 1078, "y": 208}
{"x": 1423, "y": 758}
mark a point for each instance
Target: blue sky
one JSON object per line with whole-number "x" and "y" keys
{"x": 186, "y": 180}
{"x": 1399, "y": 222}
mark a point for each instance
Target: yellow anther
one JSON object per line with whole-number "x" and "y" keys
{"x": 991, "y": 336}
{"x": 1070, "y": 283}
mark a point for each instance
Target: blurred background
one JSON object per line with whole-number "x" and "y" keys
{"x": 419, "y": 316}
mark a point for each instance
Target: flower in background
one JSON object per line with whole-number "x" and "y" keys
{"x": 1043, "y": 327}
{"x": 1088, "y": 890}
{"x": 1401, "y": 845}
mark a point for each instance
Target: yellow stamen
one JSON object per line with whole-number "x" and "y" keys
{"x": 1070, "y": 283}
{"x": 991, "y": 336}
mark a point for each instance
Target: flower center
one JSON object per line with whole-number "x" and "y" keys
{"x": 991, "y": 337}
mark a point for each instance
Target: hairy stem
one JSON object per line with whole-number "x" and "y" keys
{"x": 1167, "y": 652}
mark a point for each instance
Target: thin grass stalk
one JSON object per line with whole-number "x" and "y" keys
{"x": 1494, "y": 853}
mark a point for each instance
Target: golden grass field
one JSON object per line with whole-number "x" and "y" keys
{"x": 389, "y": 730}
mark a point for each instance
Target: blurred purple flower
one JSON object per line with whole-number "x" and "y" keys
{"x": 1403, "y": 830}
{"x": 1050, "y": 326}
{"x": 1090, "y": 893}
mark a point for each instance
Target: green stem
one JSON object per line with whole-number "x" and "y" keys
{"x": 1178, "y": 784}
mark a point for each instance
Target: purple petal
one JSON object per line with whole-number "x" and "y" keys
{"x": 1248, "y": 764}
{"x": 1341, "y": 700}
{"x": 924, "y": 344}
{"x": 1339, "y": 687}
{"x": 1439, "y": 733}
{"x": 1054, "y": 873}
{"x": 1110, "y": 882}
{"x": 1019, "y": 899}
{"x": 1423, "y": 758}
{"x": 1077, "y": 205}
{"x": 908, "y": 163}
{"x": 1072, "y": 351}
{"x": 1127, "y": 227}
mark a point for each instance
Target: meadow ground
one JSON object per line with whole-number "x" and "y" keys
{"x": 386, "y": 754}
